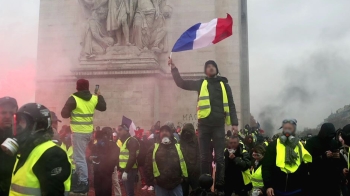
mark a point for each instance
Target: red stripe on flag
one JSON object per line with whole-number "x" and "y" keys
{"x": 223, "y": 28}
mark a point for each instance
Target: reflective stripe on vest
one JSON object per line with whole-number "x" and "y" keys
{"x": 257, "y": 180}
{"x": 25, "y": 182}
{"x": 81, "y": 120}
{"x": 124, "y": 155}
{"x": 246, "y": 174}
{"x": 243, "y": 146}
{"x": 181, "y": 158}
{"x": 304, "y": 155}
{"x": 203, "y": 106}
{"x": 69, "y": 152}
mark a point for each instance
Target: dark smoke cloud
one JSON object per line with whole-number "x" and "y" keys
{"x": 310, "y": 89}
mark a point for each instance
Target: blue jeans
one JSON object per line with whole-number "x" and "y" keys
{"x": 129, "y": 183}
{"x": 80, "y": 142}
{"x": 164, "y": 192}
{"x": 216, "y": 134}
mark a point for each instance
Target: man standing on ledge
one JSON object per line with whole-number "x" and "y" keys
{"x": 215, "y": 108}
{"x": 80, "y": 108}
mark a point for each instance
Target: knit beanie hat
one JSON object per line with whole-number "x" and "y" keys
{"x": 213, "y": 63}
{"x": 82, "y": 85}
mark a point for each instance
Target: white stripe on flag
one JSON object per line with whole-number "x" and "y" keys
{"x": 132, "y": 128}
{"x": 205, "y": 34}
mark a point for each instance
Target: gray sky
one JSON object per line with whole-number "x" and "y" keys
{"x": 298, "y": 55}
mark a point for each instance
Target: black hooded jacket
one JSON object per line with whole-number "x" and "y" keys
{"x": 71, "y": 104}
{"x": 190, "y": 150}
{"x": 322, "y": 169}
{"x": 217, "y": 115}
{"x": 6, "y": 163}
{"x": 234, "y": 168}
{"x": 168, "y": 163}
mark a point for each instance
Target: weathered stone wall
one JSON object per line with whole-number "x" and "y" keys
{"x": 147, "y": 94}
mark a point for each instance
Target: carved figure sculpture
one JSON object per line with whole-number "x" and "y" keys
{"x": 95, "y": 39}
{"x": 120, "y": 16}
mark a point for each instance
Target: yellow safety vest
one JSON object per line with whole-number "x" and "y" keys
{"x": 242, "y": 144}
{"x": 304, "y": 155}
{"x": 204, "y": 108}
{"x": 119, "y": 143}
{"x": 246, "y": 174}
{"x": 81, "y": 120}
{"x": 266, "y": 143}
{"x": 124, "y": 155}
{"x": 25, "y": 182}
{"x": 257, "y": 180}
{"x": 181, "y": 158}
{"x": 69, "y": 152}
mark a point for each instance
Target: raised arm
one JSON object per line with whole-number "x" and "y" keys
{"x": 191, "y": 85}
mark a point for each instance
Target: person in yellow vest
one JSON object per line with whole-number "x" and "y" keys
{"x": 65, "y": 143}
{"x": 80, "y": 108}
{"x": 128, "y": 158}
{"x": 257, "y": 180}
{"x": 42, "y": 167}
{"x": 215, "y": 108}
{"x": 237, "y": 165}
{"x": 166, "y": 165}
{"x": 284, "y": 168}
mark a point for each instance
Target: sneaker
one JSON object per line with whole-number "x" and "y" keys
{"x": 150, "y": 188}
{"x": 81, "y": 188}
{"x": 145, "y": 187}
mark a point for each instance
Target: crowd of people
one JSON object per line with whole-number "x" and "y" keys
{"x": 37, "y": 159}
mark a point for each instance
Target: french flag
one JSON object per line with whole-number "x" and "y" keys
{"x": 204, "y": 34}
{"x": 129, "y": 124}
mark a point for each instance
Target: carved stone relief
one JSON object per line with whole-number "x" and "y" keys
{"x": 124, "y": 28}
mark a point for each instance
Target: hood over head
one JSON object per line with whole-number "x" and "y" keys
{"x": 327, "y": 132}
{"x": 82, "y": 85}
{"x": 85, "y": 95}
{"x": 188, "y": 132}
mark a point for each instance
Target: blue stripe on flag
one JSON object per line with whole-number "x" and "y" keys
{"x": 186, "y": 40}
{"x": 126, "y": 121}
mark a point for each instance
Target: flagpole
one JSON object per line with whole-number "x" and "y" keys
{"x": 170, "y": 54}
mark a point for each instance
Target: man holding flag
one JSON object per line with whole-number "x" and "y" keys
{"x": 128, "y": 154}
{"x": 215, "y": 107}
{"x": 215, "y": 102}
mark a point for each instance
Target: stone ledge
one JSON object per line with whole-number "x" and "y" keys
{"x": 94, "y": 72}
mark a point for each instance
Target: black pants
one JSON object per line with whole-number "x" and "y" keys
{"x": 192, "y": 181}
{"x": 217, "y": 134}
{"x": 103, "y": 184}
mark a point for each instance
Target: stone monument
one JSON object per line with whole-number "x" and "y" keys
{"x": 123, "y": 46}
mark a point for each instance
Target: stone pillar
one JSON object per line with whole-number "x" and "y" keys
{"x": 244, "y": 65}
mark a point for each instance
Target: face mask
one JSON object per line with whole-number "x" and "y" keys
{"x": 166, "y": 140}
{"x": 10, "y": 146}
{"x": 231, "y": 151}
{"x": 287, "y": 132}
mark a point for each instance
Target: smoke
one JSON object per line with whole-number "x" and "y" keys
{"x": 309, "y": 90}
{"x": 18, "y": 38}
{"x": 18, "y": 80}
